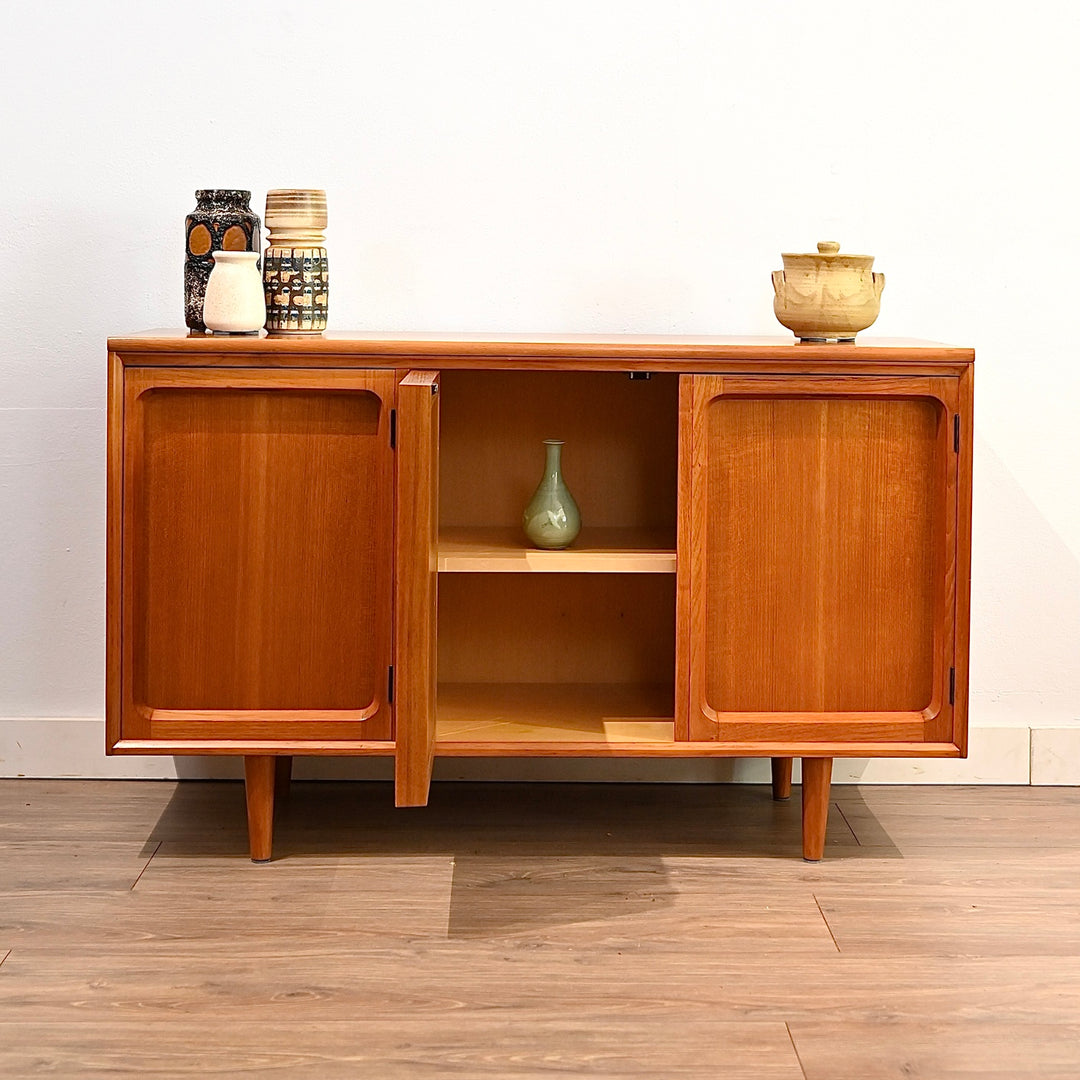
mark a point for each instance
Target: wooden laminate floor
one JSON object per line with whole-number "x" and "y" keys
{"x": 539, "y": 930}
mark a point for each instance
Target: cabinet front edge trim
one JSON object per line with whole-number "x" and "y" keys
{"x": 299, "y": 747}
{"x": 696, "y": 749}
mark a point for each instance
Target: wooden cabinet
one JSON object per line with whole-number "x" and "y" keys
{"x": 315, "y": 548}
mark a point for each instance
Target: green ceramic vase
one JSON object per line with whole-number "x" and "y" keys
{"x": 552, "y": 519}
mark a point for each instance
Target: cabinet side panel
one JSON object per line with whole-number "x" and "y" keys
{"x": 260, "y": 557}
{"x": 114, "y": 554}
{"x": 821, "y": 584}
{"x": 963, "y": 556}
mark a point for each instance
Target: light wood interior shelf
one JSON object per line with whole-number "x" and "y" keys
{"x": 555, "y": 712}
{"x": 595, "y": 551}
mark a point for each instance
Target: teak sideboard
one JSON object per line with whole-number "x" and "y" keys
{"x": 314, "y": 547}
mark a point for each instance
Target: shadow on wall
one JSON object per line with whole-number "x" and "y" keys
{"x": 1025, "y": 614}
{"x": 52, "y": 436}
{"x": 1025, "y": 610}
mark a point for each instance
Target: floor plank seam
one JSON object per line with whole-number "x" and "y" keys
{"x": 802, "y": 1068}
{"x": 148, "y": 861}
{"x": 843, "y": 818}
{"x": 826, "y": 921}
{"x": 450, "y": 899}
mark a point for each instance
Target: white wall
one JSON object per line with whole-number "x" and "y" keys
{"x": 556, "y": 166}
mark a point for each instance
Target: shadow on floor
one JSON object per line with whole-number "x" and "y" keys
{"x": 523, "y": 855}
{"x": 492, "y": 819}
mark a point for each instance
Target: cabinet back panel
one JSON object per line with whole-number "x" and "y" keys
{"x": 825, "y": 573}
{"x": 619, "y": 460}
{"x": 261, "y": 556}
{"x": 550, "y": 628}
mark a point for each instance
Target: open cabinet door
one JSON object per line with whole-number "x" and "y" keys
{"x": 416, "y": 621}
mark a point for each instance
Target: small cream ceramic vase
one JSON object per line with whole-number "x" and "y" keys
{"x": 826, "y": 296}
{"x": 234, "y": 295}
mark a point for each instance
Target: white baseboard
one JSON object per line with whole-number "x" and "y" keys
{"x": 1055, "y": 754}
{"x": 1003, "y": 751}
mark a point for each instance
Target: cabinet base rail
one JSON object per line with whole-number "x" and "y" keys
{"x": 677, "y": 749}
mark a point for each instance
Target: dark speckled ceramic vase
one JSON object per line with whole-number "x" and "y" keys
{"x": 221, "y": 221}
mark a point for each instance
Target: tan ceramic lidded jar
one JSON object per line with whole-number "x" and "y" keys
{"x": 826, "y": 295}
{"x": 296, "y": 274}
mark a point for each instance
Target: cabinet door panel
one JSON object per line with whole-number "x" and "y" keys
{"x": 822, "y": 552}
{"x": 257, "y": 554}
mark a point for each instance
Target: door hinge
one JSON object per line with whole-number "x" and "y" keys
{"x": 393, "y": 428}
{"x": 952, "y": 686}
{"x": 390, "y": 685}
{"x": 956, "y": 433}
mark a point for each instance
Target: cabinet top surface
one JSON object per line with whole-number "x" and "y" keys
{"x": 482, "y": 349}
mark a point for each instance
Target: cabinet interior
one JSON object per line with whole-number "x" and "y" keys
{"x": 574, "y": 645}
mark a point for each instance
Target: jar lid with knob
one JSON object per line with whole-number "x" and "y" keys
{"x": 827, "y": 257}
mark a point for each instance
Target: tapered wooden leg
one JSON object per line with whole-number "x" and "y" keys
{"x": 781, "y": 778}
{"x": 816, "y": 781}
{"x": 282, "y": 777}
{"x": 259, "y": 787}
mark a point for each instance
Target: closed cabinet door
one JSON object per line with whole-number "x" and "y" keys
{"x": 818, "y": 562}
{"x": 256, "y": 555}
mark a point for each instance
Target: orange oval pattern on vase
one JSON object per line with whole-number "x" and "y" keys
{"x": 199, "y": 240}
{"x": 235, "y": 239}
